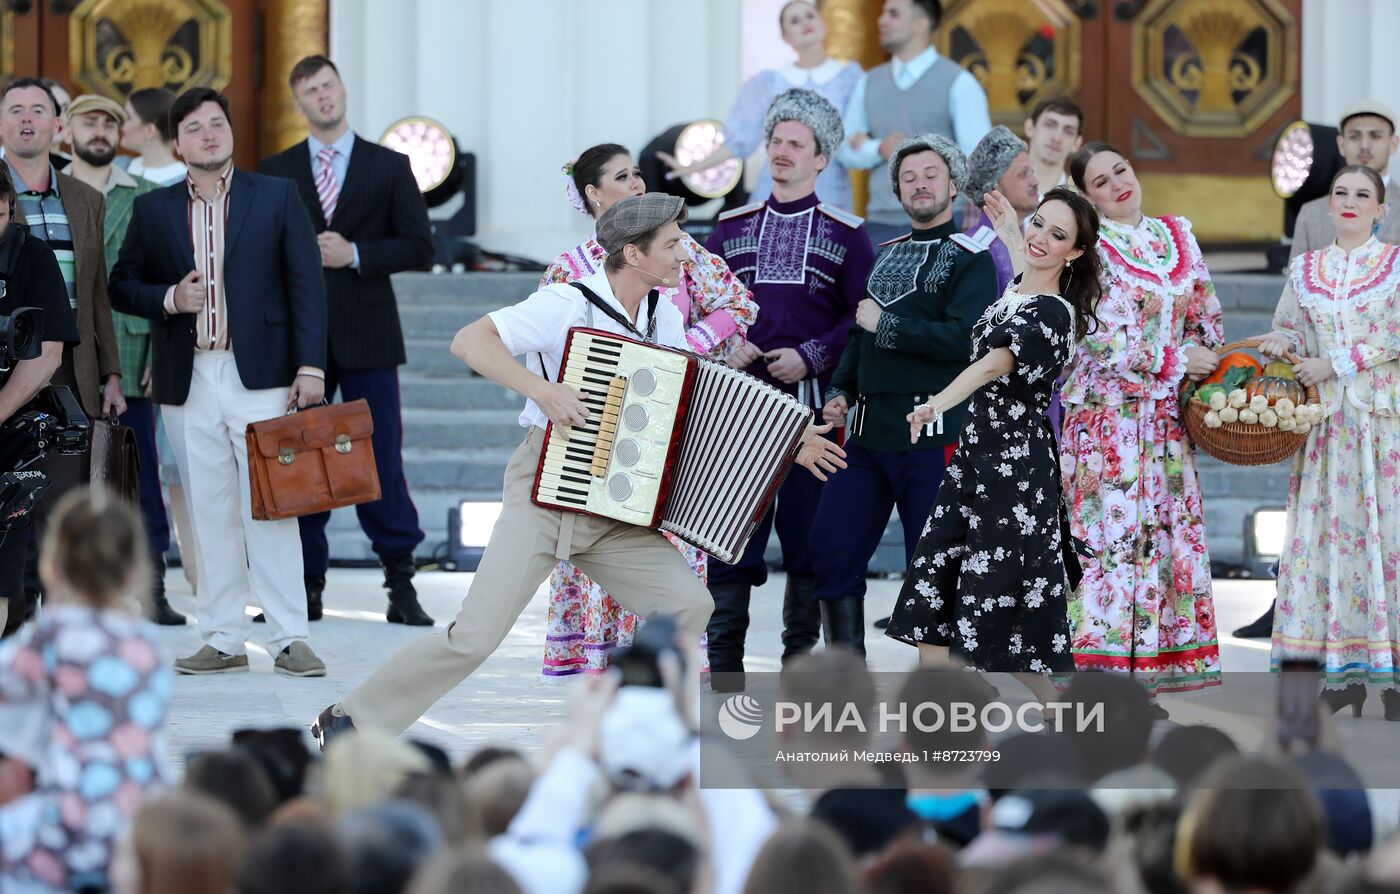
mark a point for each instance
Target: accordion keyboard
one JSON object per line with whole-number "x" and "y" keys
{"x": 614, "y": 463}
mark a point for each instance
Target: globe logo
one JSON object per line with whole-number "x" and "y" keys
{"x": 740, "y": 717}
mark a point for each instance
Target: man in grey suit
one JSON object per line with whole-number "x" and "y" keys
{"x": 1367, "y": 137}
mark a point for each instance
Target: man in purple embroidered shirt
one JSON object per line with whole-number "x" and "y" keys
{"x": 806, "y": 264}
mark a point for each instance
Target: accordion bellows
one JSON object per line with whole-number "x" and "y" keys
{"x": 673, "y": 441}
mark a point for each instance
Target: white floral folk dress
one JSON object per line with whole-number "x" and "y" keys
{"x": 1145, "y": 604}
{"x": 1339, "y": 575}
{"x": 989, "y": 577}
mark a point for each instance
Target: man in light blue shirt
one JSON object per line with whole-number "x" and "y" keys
{"x": 917, "y": 91}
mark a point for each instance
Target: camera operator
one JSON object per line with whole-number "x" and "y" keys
{"x": 29, "y": 277}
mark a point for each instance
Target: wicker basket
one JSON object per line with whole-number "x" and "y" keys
{"x": 1241, "y": 443}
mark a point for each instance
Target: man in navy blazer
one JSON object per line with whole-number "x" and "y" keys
{"x": 225, "y": 265}
{"x": 371, "y": 222}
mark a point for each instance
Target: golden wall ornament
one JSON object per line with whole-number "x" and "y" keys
{"x": 851, "y": 32}
{"x": 1215, "y": 68}
{"x": 1020, "y": 52}
{"x": 294, "y": 29}
{"x": 7, "y": 43}
{"x": 117, "y": 46}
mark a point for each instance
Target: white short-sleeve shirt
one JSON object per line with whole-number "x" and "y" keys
{"x": 538, "y": 326}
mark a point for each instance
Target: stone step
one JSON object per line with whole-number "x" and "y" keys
{"x": 462, "y": 430}
{"x": 439, "y": 320}
{"x": 431, "y": 356}
{"x": 459, "y": 390}
{"x": 1240, "y": 324}
{"x": 460, "y": 470}
{"x": 468, "y": 291}
{"x": 1257, "y": 292}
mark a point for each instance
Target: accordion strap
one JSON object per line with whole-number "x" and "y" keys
{"x": 650, "y": 337}
{"x": 619, "y": 319}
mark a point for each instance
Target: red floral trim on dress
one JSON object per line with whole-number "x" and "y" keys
{"x": 1315, "y": 284}
{"x": 1175, "y": 267}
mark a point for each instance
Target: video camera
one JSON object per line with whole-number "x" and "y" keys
{"x": 53, "y": 420}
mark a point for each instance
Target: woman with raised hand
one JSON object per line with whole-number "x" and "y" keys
{"x": 803, "y": 29}
{"x": 1145, "y": 606}
{"x": 994, "y": 570}
{"x": 585, "y": 624}
{"x": 1338, "y": 592}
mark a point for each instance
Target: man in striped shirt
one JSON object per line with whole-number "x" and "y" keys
{"x": 225, "y": 266}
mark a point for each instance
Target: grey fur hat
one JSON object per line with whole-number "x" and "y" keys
{"x": 989, "y": 161}
{"x": 931, "y": 142}
{"x": 812, "y": 109}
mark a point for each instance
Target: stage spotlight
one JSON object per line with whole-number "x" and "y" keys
{"x": 689, "y": 143}
{"x": 1264, "y": 533}
{"x": 1305, "y": 158}
{"x": 433, "y": 154}
{"x": 469, "y": 526}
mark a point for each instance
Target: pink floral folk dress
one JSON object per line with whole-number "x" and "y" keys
{"x": 1338, "y": 589}
{"x": 585, "y": 624}
{"x": 1144, "y": 605}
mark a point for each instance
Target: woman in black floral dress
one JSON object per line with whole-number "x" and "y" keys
{"x": 991, "y": 577}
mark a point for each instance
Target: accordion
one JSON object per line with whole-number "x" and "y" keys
{"x": 673, "y": 441}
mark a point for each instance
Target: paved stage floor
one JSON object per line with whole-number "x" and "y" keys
{"x": 507, "y": 703}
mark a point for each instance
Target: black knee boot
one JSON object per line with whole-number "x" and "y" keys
{"x": 726, "y": 631}
{"x": 801, "y": 617}
{"x": 160, "y": 611}
{"x": 843, "y": 623}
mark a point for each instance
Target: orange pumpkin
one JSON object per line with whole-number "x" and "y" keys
{"x": 1275, "y": 388}
{"x": 1229, "y": 362}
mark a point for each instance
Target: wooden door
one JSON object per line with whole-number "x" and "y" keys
{"x": 1194, "y": 92}
{"x": 115, "y": 46}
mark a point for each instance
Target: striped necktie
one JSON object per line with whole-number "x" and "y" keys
{"x": 327, "y": 189}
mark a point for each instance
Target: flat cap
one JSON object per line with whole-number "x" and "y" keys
{"x": 91, "y": 102}
{"x": 1367, "y": 107}
{"x": 636, "y": 215}
{"x": 931, "y": 142}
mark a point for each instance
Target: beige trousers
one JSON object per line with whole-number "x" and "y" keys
{"x": 637, "y": 566}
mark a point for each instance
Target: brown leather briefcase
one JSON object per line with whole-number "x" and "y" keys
{"x": 312, "y": 461}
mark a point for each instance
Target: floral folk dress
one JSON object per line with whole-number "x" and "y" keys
{"x": 83, "y": 701}
{"x": 989, "y": 577}
{"x": 1338, "y": 584}
{"x": 1145, "y": 604}
{"x": 585, "y": 624}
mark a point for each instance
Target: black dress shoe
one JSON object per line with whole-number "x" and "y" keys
{"x": 1261, "y": 627}
{"x": 328, "y": 725}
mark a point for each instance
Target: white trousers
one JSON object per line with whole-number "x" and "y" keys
{"x": 240, "y": 560}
